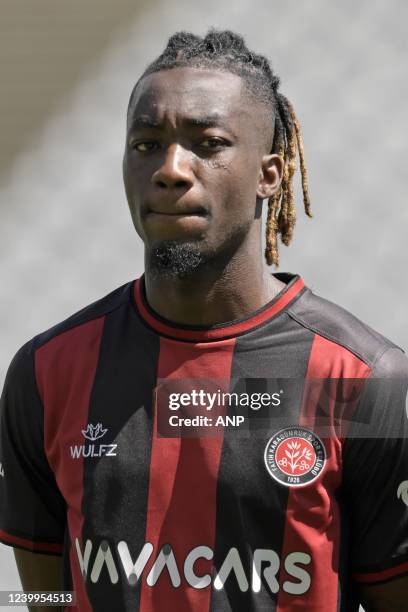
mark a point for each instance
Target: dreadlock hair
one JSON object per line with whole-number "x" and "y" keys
{"x": 227, "y": 51}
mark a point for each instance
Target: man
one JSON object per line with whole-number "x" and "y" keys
{"x": 118, "y": 451}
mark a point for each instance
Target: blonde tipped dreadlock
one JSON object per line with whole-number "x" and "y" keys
{"x": 227, "y": 51}
{"x": 281, "y": 217}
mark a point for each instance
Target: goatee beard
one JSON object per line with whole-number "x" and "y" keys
{"x": 171, "y": 259}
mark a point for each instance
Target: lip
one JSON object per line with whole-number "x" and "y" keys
{"x": 178, "y": 211}
{"x": 194, "y": 213}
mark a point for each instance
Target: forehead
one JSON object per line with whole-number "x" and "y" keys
{"x": 190, "y": 91}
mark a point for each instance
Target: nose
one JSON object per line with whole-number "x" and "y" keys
{"x": 175, "y": 172}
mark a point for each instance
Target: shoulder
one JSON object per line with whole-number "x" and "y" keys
{"x": 77, "y": 323}
{"x": 338, "y": 325}
{"x": 101, "y": 307}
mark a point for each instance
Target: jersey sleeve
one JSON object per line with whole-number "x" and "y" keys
{"x": 32, "y": 509}
{"x": 375, "y": 473}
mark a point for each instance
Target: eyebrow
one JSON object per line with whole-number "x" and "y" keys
{"x": 143, "y": 121}
{"x": 214, "y": 120}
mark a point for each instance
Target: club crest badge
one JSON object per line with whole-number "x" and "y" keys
{"x": 295, "y": 456}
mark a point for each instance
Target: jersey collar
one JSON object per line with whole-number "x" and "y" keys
{"x": 219, "y": 331}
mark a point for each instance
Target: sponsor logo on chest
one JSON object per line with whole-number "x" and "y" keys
{"x": 93, "y": 433}
{"x": 264, "y": 564}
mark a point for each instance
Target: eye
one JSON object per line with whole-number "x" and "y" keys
{"x": 144, "y": 146}
{"x": 213, "y": 142}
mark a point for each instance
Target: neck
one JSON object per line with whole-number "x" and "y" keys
{"x": 213, "y": 295}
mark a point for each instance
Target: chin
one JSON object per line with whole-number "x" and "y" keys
{"x": 175, "y": 258}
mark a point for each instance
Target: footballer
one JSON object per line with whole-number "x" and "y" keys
{"x": 109, "y": 491}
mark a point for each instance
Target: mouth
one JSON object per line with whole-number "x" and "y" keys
{"x": 180, "y": 212}
{"x": 177, "y": 222}
{"x": 175, "y": 219}
{"x": 176, "y": 215}
{"x": 174, "y": 207}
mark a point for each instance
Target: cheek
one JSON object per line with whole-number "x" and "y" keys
{"x": 126, "y": 182}
{"x": 132, "y": 190}
{"x": 127, "y": 177}
{"x": 239, "y": 197}
{"x": 239, "y": 177}
{"x": 128, "y": 171}
{"x": 134, "y": 178}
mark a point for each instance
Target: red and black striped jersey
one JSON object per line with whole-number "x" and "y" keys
{"x": 258, "y": 464}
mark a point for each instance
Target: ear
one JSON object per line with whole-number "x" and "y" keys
{"x": 270, "y": 175}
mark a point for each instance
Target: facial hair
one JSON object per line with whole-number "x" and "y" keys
{"x": 171, "y": 259}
